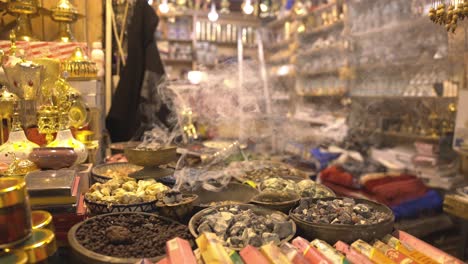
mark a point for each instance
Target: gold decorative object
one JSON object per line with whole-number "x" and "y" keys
{"x": 23, "y": 10}
{"x": 20, "y": 167}
{"x": 48, "y": 121}
{"x": 17, "y": 144}
{"x": 79, "y": 67}
{"x": 51, "y": 74}
{"x": 8, "y": 101}
{"x": 78, "y": 113}
{"x": 225, "y": 7}
{"x": 65, "y": 138}
{"x": 25, "y": 79}
{"x": 448, "y": 15}
{"x": 65, "y": 14}
{"x": 189, "y": 129}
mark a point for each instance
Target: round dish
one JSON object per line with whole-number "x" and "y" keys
{"x": 196, "y": 219}
{"x": 280, "y": 201}
{"x": 100, "y": 173}
{"x": 103, "y": 208}
{"x": 331, "y": 233}
{"x": 235, "y": 192}
{"x": 151, "y": 158}
{"x": 241, "y": 170}
{"x": 178, "y": 211}
{"x": 88, "y": 256}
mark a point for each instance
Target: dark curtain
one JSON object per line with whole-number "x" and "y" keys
{"x": 125, "y": 117}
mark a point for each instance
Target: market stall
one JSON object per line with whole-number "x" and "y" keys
{"x": 244, "y": 132}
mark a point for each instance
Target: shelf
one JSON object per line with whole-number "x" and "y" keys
{"x": 323, "y": 7}
{"x": 339, "y": 47}
{"x": 321, "y": 72}
{"x": 336, "y": 96}
{"x": 278, "y": 22}
{"x": 309, "y": 120}
{"x": 407, "y": 24}
{"x": 280, "y": 44}
{"x": 228, "y": 44}
{"x": 177, "y": 61}
{"x": 280, "y": 97}
{"x": 176, "y": 40}
{"x": 402, "y": 135}
{"x": 320, "y": 29}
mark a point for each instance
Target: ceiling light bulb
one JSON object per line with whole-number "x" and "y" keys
{"x": 213, "y": 15}
{"x": 248, "y": 7}
{"x": 164, "y": 7}
{"x": 263, "y": 7}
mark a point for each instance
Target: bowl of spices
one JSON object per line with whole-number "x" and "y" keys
{"x": 332, "y": 219}
{"x": 124, "y": 237}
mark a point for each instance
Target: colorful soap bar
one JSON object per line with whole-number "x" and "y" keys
{"x": 251, "y": 255}
{"x": 370, "y": 252}
{"x": 352, "y": 255}
{"x": 309, "y": 252}
{"x": 293, "y": 254}
{"x": 435, "y": 253}
{"x": 212, "y": 250}
{"x": 235, "y": 257}
{"x": 179, "y": 251}
{"x": 333, "y": 255}
{"x": 273, "y": 254}
{"x": 393, "y": 254}
{"x": 408, "y": 250}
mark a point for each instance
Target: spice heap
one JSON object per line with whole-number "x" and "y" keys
{"x": 338, "y": 211}
{"x": 304, "y": 188}
{"x": 140, "y": 235}
{"x": 257, "y": 171}
{"x": 121, "y": 171}
{"x": 125, "y": 190}
{"x": 241, "y": 227}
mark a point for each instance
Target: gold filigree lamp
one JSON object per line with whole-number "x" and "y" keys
{"x": 25, "y": 80}
{"x": 48, "y": 121}
{"x": 23, "y": 10}
{"x": 65, "y": 14}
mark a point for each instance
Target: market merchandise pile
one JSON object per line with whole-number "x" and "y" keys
{"x": 126, "y": 190}
{"x": 129, "y": 235}
{"x": 398, "y": 247}
{"x": 240, "y": 226}
{"x": 339, "y": 211}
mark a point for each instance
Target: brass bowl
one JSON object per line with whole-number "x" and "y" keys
{"x": 151, "y": 158}
{"x": 280, "y": 201}
{"x": 178, "y": 211}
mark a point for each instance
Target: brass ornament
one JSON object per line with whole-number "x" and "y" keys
{"x": 65, "y": 14}
{"x": 23, "y": 10}
{"x": 79, "y": 67}
{"x": 48, "y": 121}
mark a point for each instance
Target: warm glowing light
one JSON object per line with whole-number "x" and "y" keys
{"x": 301, "y": 28}
{"x": 164, "y": 7}
{"x": 263, "y": 7}
{"x": 213, "y": 15}
{"x": 283, "y": 70}
{"x": 195, "y": 77}
{"x": 247, "y": 7}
